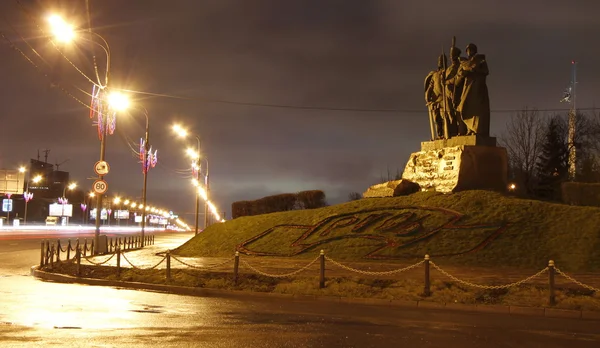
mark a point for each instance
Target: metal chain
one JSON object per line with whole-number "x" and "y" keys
{"x": 132, "y": 265}
{"x": 488, "y": 287}
{"x": 374, "y": 273}
{"x": 202, "y": 267}
{"x": 61, "y": 249}
{"x": 591, "y": 288}
{"x": 280, "y": 275}
{"x": 87, "y": 258}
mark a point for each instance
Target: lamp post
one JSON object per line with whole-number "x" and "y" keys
{"x": 64, "y": 201}
{"x": 181, "y": 132}
{"x": 117, "y": 200}
{"x": 148, "y": 160}
{"x": 64, "y": 32}
{"x": 28, "y": 195}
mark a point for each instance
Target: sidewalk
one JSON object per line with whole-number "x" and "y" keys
{"x": 153, "y": 254}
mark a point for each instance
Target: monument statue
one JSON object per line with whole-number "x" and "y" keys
{"x": 461, "y": 154}
{"x": 434, "y": 99}
{"x": 474, "y": 106}
{"x": 454, "y": 91}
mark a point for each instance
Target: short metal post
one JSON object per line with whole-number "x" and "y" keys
{"x": 78, "y": 257}
{"x": 322, "y": 275}
{"x": 68, "y": 249}
{"x": 47, "y": 252}
{"x": 236, "y": 267}
{"x": 168, "y": 265}
{"x": 58, "y": 250}
{"x": 551, "y": 272}
{"x": 85, "y": 247}
{"x": 427, "y": 288}
{"x": 42, "y": 256}
{"x": 118, "y": 262}
{"x": 92, "y": 248}
{"x": 52, "y": 257}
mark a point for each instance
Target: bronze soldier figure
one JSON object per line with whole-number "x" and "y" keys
{"x": 434, "y": 98}
{"x": 474, "y": 106}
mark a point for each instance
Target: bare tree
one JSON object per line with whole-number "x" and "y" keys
{"x": 523, "y": 142}
{"x": 354, "y": 196}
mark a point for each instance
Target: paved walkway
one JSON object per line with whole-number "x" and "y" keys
{"x": 153, "y": 254}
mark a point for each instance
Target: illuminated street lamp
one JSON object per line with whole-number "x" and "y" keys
{"x": 182, "y": 133}
{"x": 29, "y": 196}
{"x": 62, "y": 31}
{"x": 71, "y": 186}
{"x": 101, "y": 99}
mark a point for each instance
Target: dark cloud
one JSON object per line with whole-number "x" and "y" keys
{"x": 330, "y": 53}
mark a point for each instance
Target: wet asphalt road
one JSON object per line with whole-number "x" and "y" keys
{"x": 36, "y": 313}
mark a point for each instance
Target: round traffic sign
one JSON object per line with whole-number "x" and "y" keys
{"x": 100, "y": 186}
{"x": 101, "y": 168}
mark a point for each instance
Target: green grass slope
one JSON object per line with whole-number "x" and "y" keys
{"x": 493, "y": 230}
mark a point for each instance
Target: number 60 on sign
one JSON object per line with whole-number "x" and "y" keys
{"x": 100, "y": 186}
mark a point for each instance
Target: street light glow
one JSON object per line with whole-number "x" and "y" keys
{"x": 72, "y": 185}
{"x": 37, "y": 179}
{"x": 22, "y": 169}
{"x": 118, "y": 101}
{"x": 192, "y": 153}
{"x": 92, "y": 194}
{"x": 126, "y": 202}
{"x": 117, "y": 200}
{"x": 61, "y": 30}
{"x": 180, "y": 131}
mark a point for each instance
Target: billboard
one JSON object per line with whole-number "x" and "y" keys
{"x": 56, "y": 209}
{"x": 121, "y": 214}
{"x": 102, "y": 214}
{"x": 12, "y": 181}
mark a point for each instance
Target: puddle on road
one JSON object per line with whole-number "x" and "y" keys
{"x": 148, "y": 309}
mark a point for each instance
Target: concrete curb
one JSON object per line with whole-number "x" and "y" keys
{"x": 203, "y": 292}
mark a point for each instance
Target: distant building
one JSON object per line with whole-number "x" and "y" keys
{"x": 12, "y": 181}
{"x": 46, "y": 191}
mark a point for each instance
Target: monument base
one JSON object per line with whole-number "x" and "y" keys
{"x": 474, "y": 140}
{"x": 467, "y": 166}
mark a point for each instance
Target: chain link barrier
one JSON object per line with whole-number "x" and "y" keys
{"x": 488, "y": 287}
{"x": 202, "y": 267}
{"x": 87, "y": 258}
{"x": 591, "y": 288}
{"x": 140, "y": 268}
{"x": 373, "y": 273}
{"x": 279, "y": 275}
{"x": 61, "y": 249}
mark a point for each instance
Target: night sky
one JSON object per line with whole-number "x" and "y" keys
{"x": 329, "y": 54}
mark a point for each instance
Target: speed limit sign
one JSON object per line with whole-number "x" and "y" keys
{"x": 100, "y": 186}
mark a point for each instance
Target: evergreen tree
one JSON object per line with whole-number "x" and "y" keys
{"x": 552, "y": 163}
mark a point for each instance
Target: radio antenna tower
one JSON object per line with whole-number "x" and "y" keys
{"x": 570, "y": 97}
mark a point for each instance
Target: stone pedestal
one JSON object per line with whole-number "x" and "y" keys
{"x": 458, "y": 164}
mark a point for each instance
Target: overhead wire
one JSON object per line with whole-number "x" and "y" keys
{"x": 89, "y": 20}
{"x": 312, "y": 107}
{"x": 14, "y": 47}
{"x": 56, "y": 46}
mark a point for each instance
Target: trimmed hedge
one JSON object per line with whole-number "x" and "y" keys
{"x": 282, "y": 202}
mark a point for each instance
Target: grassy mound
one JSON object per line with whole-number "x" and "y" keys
{"x": 491, "y": 230}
